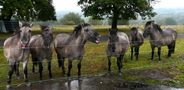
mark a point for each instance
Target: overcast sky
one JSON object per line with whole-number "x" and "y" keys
{"x": 71, "y": 5}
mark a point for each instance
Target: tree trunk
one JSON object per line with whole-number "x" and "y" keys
{"x": 114, "y": 21}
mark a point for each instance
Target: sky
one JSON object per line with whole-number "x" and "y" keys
{"x": 71, "y": 5}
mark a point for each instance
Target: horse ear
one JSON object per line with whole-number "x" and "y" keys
{"x": 20, "y": 24}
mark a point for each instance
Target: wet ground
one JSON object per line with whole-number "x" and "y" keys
{"x": 104, "y": 82}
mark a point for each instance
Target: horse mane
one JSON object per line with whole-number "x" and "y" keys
{"x": 78, "y": 28}
{"x": 157, "y": 27}
{"x": 43, "y": 27}
{"x": 26, "y": 24}
{"x": 149, "y": 22}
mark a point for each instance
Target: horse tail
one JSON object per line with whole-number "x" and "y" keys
{"x": 174, "y": 42}
{"x": 173, "y": 46}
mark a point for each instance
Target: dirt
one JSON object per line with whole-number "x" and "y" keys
{"x": 105, "y": 82}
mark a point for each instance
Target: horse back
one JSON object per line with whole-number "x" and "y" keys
{"x": 123, "y": 41}
{"x": 38, "y": 49}
{"x": 61, "y": 40}
{"x": 170, "y": 33}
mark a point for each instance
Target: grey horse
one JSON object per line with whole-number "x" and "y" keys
{"x": 159, "y": 37}
{"x": 16, "y": 49}
{"x": 40, "y": 48}
{"x": 72, "y": 46}
{"x": 136, "y": 40}
{"x": 118, "y": 44}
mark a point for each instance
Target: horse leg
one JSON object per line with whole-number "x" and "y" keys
{"x": 10, "y": 73}
{"x": 152, "y": 53}
{"x": 132, "y": 51}
{"x": 159, "y": 52}
{"x": 169, "y": 50}
{"x": 61, "y": 62}
{"x": 35, "y": 62}
{"x": 49, "y": 67}
{"x": 25, "y": 70}
{"x": 137, "y": 52}
{"x": 109, "y": 63}
{"x": 69, "y": 67}
{"x": 119, "y": 64}
{"x": 79, "y": 67}
{"x": 40, "y": 69}
{"x": 17, "y": 69}
{"x": 63, "y": 65}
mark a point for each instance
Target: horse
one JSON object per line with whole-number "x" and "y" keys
{"x": 159, "y": 38}
{"x": 136, "y": 40}
{"x": 40, "y": 49}
{"x": 16, "y": 50}
{"x": 118, "y": 44}
{"x": 72, "y": 46}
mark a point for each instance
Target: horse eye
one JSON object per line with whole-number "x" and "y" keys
{"x": 29, "y": 30}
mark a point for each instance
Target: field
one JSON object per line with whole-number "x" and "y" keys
{"x": 169, "y": 71}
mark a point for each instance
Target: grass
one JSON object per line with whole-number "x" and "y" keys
{"x": 95, "y": 62}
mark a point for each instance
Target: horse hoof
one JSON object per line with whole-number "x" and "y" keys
{"x": 19, "y": 78}
{"x": 120, "y": 74}
{"x": 79, "y": 78}
{"x": 28, "y": 84}
{"x": 69, "y": 78}
{"x": 8, "y": 87}
{"x": 109, "y": 73}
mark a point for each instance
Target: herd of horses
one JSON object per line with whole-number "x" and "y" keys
{"x": 18, "y": 47}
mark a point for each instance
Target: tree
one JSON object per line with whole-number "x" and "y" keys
{"x": 45, "y": 10}
{"x": 170, "y": 21}
{"x": 117, "y": 9}
{"x": 71, "y": 19}
{"x": 28, "y": 10}
{"x": 94, "y": 21}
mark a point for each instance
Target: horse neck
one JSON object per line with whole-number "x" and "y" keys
{"x": 45, "y": 40}
{"x": 79, "y": 40}
{"x": 156, "y": 35}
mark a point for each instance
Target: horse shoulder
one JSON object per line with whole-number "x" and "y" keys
{"x": 123, "y": 36}
{"x": 123, "y": 40}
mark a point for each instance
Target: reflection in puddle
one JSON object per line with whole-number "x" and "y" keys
{"x": 92, "y": 83}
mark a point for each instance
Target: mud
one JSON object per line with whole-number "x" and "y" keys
{"x": 105, "y": 82}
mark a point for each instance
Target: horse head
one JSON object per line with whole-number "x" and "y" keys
{"x": 24, "y": 33}
{"x": 147, "y": 28}
{"x": 47, "y": 35}
{"x": 88, "y": 32}
{"x": 113, "y": 38}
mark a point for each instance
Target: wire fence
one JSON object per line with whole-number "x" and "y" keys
{"x": 101, "y": 54}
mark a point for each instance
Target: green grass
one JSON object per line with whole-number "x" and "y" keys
{"x": 95, "y": 62}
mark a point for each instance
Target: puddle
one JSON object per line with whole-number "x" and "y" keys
{"x": 91, "y": 83}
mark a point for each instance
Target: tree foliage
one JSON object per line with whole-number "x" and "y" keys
{"x": 170, "y": 21}
{"x": 94, "y": 21}
{"x": 117, "y": 9}
{"x": 71, "y": 19}
{"x": 28, "y": 10}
